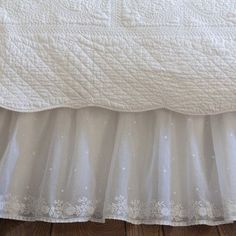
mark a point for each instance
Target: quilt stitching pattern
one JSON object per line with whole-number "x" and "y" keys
{"x": 121, "y": 55}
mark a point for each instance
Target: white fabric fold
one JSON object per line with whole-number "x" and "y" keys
{"x": 156, "y": 167}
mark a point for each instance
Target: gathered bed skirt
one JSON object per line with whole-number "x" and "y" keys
{"x": 154, "y": 167}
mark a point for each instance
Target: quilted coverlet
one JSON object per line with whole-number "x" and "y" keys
{"x": 126, "y": 55}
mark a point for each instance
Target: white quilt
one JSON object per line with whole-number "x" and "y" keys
{"x": 126, "y": 55}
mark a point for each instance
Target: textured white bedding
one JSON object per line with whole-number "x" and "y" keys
{"x": 126, "y": 55}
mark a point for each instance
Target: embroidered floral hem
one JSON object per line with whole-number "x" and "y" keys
{"x": 155, "y": 167}
{"x": 136, "y": 212}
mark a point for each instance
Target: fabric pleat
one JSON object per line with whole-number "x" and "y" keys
{"x": 154, "y": 167}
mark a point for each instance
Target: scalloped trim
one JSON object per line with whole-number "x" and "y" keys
{"x": 30, "y": 109}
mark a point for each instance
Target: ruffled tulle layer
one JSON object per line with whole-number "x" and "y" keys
{"x": 155, "y": 167}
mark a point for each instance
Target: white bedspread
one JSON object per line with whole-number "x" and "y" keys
{"x": 126, "y": 55}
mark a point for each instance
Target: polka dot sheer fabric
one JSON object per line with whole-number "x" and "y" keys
{"x": 155, "y": 167}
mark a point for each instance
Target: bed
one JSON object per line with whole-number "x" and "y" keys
{"x": 118, "y": 109}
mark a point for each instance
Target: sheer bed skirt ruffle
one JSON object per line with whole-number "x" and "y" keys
{"x": 154, "y": 167}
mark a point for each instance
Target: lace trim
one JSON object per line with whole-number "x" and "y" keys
{"x": 134, "y": 211}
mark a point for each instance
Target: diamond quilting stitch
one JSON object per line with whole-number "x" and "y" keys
{"x": 120, "y": 55}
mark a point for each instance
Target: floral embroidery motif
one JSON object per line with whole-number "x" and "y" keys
{"x": 132, "y": 12}
{"x": 151, "y": 13}
{"x": 176, "y": 12}
{"x": 174, "y": 212}
{"x": 30, "y": 206}
{"x": 92, "y": 12}
{"x": 132, "y": 211}
{"x": 205, "y": 12}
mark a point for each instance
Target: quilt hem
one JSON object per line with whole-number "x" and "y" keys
{"x": 194, "y": 112}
